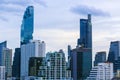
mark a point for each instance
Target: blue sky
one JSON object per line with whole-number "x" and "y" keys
{"x": 57, "y": 22}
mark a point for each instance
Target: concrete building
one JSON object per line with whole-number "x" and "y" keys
{"x": 103, "y": 71}
{"x": 31, "y": 49}
{"x": 56, "y": 66}
{"x": 7, "y": 61}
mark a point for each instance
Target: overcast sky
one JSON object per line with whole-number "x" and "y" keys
{"x": 57, "y": 22}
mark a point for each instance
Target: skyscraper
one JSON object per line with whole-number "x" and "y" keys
{"x": 27, "y": 25}
{"x": 56, "y": 66}
{"x": 2, "y": 46}
{"x": 7, "y": 62}
{"x": 85, "y": 33}
{"x": 114, "y": 54}
{"x": 81, "y": 56}
{"x": 32, "y": 49}
{"x": 100, "y": 57}
{"x": 114, "y": 51}
{"x": 81, "y": 63}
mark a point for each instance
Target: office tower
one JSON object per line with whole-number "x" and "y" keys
{"x": 81, "y": 56}
{"x": 114, "y": 51}
{"x": 56, "y": 66}
{"x": 2, "y": 46}
{"x": 2, "y": 72}
{"x": 114, "y": 54}
{"x": 7, "y": 61}
{"x": 81, "y": 63}
{"x": 16, "y": 64}
{"x": 36, "y": 66}
{"x": 85, "y": 33}
{"x": 27, "y": 25}
{"x": 103, "y": 71}
{"x": 100, "y": 57}
{"x": 31, "y": 49}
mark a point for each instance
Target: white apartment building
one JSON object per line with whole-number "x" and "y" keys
{"x": 104, "y": 71}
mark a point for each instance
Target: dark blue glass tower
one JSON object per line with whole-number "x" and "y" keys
{"x": 16, "y": 64}
{"x": 100, "y": 57}
{"x": 114, "y": 55}
{"x": 2, "y": 45}
{"x": 27, "y": 25}
{"x": 81, "y": 56}
{"x": 85, "y": 33}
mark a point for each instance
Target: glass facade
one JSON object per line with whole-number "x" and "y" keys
{"x": 16, "y": 64}
{"x": 85, "y": 33}
{"x": 2, "y": 46}
{"x": 27, "y": 25}
{"x": 114, "y": 54}
{"x": 114, "y": 50}
{"x": 99, "y": 58}
{"x": 80, "y": 65}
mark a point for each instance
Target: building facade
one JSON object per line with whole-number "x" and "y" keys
{"x": 27, "y": 25}
{"x": 81, "y": 63}
{"x": 32, "y": 49}
{"x": 103, "y": 71}
{"x": 2, "y": 73}
{"x": 2, "y": 46}
{"x": 100, "y": 57}
{"x": 7, "y": 61}
{"x": 114, "y": 54}
{"x": 16, "y": 64}
{"x": 114, "y": 51}
{"x": 85, "y": 33}
{"x": 56, "y": 66}
{"x": 36, "y": 65}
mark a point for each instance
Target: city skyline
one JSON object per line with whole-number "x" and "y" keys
{"x": 53, "y": 18}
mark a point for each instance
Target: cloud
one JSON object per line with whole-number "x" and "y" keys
{"x": 17, "y": 5}
{"x": 84, "y": 10}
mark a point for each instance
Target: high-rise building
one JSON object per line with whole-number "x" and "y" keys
{"x": 81, "y": 56}
{"x": 56, "y": 66}
{"x": 16, "y": 65}
{"x": 85, "y": 33}
{"x": 81, "y": 63}
{"x": 27, "y": 25}
{"x": 7, "y": 61}
{"x": 114, "y": 55}
{"x": 100, "y": 57}
{"x": 114, "y": 51}
{"x": 31, "y": 49}
{"x": 2, "y": 73}
{"x": 2, "y": 46}
{"x": 103, "y": 71}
